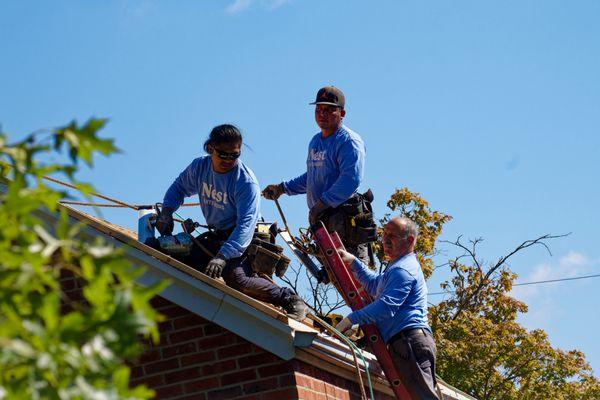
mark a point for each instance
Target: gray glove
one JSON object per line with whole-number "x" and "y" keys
{"x": 316, "y": 211}
{"x": 215, "y": 266}
{"x": 272, "y": 192}
{"x": 164, "y": 222}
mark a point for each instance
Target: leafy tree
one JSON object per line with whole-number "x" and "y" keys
{"x": 412, "y": 205}
{"x": 51, "y": 347}
{"x": 482, "y": 349}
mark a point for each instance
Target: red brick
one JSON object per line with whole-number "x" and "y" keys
{"x": 240, "y": 376}
{"x": 310, "y": 383}
{"x": 161, "y": 366}
{"x": 212, "y": 329}
{"x": 273, "y": 370}
{"x": 189, "y": 321}
{"x": 257, "y": 359}
{"x": 149, "y": 356}
{"x": 283, "y": 394}
{"x": 219, "y": 368}
{"x": 342, "y": 394}
{"x": 354, "y": 396}
{"x": 234, "y": 351}
{"x": 137, "y": 372}
{"x": 212, "y": 342}
{"x": 158, "y": 302}
{"x": 165, "y": 326}
{"x": 250, "y": 397}
{"x": 260, "y": 386}
{"x": 168, "y": 391}
{"x": 198, "y": 358}
{"x": 178, "y": 350}
{"x": 173, "y": 311}
{"x": 287, "y": 380}
{"x": 152, "y": 381}
{"x": 184, "y": 336}
{"x": 183, "y": 375}
{"x": 201, "y": 385}
{"x": 226, "y": 393}
{"x": 197, "y": 396}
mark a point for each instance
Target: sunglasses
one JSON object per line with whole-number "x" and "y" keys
{"x": 223, "y": 155}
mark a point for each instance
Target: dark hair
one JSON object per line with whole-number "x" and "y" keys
{"x": 225, "y": 133}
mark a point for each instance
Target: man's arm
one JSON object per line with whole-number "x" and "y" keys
{"x": 365, "y": 276}
{"x": 296, "y": 185}
{"x": 247, "y": 215}
{"x": 351, "y": 159}
{"x": 397, "y": 289}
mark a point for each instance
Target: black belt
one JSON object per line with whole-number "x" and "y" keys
{"x": 403, "y": 333}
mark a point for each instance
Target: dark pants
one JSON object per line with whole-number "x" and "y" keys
{"x": 238, "y": 274}
{"x": 413, "y": 353}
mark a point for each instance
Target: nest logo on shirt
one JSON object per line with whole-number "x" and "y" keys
{"x": 213, "y": 197}
{"x": 317, "y": 158}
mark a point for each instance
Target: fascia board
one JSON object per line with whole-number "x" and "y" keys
{"x": 207, "y": 301}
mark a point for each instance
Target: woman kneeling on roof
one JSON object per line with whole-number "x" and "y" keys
{"x": 230, "y": 201}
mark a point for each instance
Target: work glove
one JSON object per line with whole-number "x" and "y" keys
{"x": 316, "y": 211}
{"x": 215, "y": 266}
{"x": 273, "y": 192}
{"x": 164, "y": 222}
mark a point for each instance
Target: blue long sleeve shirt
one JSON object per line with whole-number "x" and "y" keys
{"x": 399, "y": 296}
{"x": 334, "y": 168}
{"x": 227, "y": 200}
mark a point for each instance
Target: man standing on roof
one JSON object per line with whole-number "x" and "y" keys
{"x": 399, "y": 308}
{"x": 334, "y": 171}
{"x": 229, "y": 198}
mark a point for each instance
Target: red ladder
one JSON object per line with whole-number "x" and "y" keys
{"x": 356, "y": 298}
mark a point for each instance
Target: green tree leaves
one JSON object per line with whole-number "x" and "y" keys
{"x": 52, "y": 346}
{"x": 482, "y": 349}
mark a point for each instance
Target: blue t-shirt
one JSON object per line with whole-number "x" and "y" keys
{"x": 399, "y": 296}
{"x": 227, "y": 200}
{"x": 334, "y": 168}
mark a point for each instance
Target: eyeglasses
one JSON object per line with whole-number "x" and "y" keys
{"x": 223, "y": 155}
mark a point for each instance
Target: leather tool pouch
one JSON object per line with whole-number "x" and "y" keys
{"x": 266, "y": 257}
{"x": 353, "y": 219}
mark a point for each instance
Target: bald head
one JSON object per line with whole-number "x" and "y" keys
{"x": 405, "y": 226}
{"x": 399, "y": 237}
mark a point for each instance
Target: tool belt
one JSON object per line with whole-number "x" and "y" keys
{"x": 265, "y": 257}
{"x": 353, "y": 219}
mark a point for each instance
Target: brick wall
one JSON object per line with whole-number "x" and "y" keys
{"x": 196, "y": 359}
{"x": 314, "y": 383}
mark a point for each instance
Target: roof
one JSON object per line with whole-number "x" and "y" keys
{"x": 255, "y": 321}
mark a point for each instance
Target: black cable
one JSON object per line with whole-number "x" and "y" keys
{"x": 531, "y": 283}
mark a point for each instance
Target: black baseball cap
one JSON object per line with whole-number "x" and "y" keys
{"x": 330, "y": 95}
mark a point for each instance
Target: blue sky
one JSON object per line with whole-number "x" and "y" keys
{"x": 490, "y": 110}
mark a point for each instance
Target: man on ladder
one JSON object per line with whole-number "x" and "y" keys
{"x": 399, "y": 308}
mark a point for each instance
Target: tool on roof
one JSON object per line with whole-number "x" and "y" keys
{"x": 302, "y": 249}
